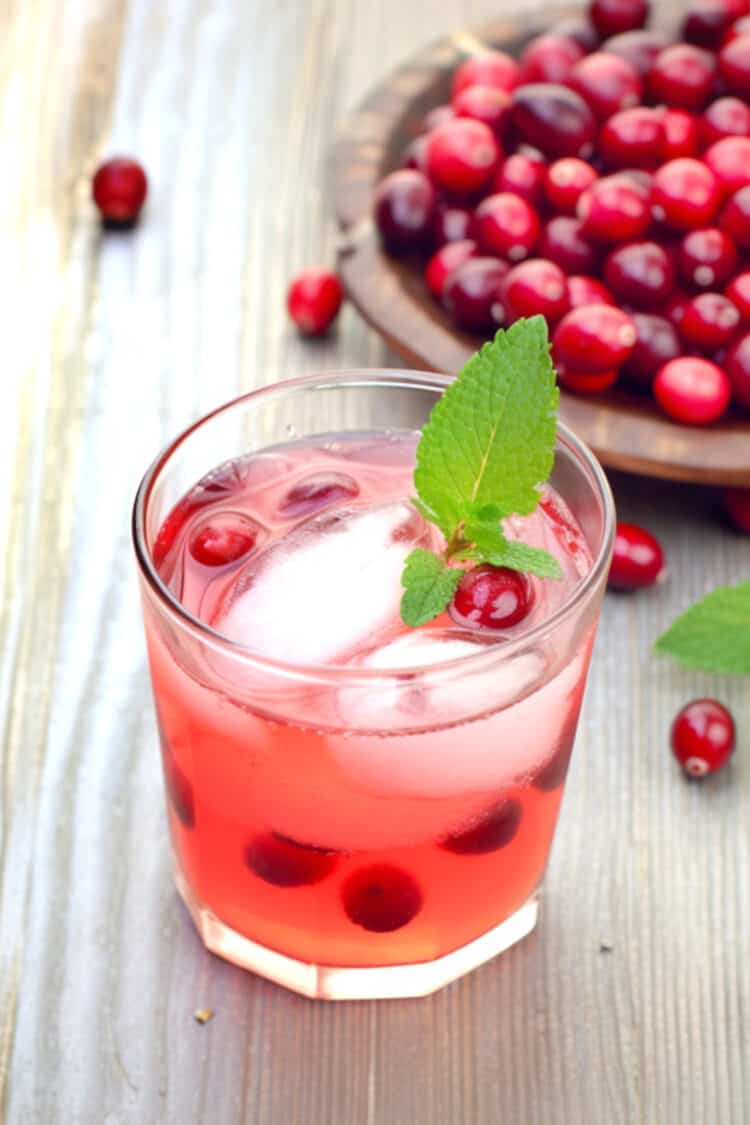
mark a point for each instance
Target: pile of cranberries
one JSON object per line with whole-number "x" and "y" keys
{"x": 601, "y": 179}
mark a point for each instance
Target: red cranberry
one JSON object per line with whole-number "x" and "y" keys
{"x": 682, "y": 76}
{"x": 710, "y": 321}
{"x": 738, "y": 292}
{"x": 702, "y": 737}
{"x": 637, "y": 559}
{"x": 492, "y": 597}
{"x": 472, "y": 293}
{"x": 222, "y": 541}
{"x": 314, "y": 297}
{"x": 611, "y": 17}
{"x": 491, "y": 68}
{"x": 549, "y": 58}
{"x": 607, "y": 83}
{"x": 639, "y": 48}
{"x": 119, "y": 190}
{"x": 692, "y": 390}
{"x": 447, "y": 259}
{"x": 584, "y": 382}
{"x": 594, "y": 338}
{"x": 735, "y": 218}
{"x": 535, "y": 287}
{"x": 381, "y": 898}
{"x": 284, "y": 862}
{"x": 564, "y": 242}
{"x": 318, "y": 491}
{"x": 674, "y": 308}
{"x": 614, "y": 209}
{"x": 179, "y": 790}
{"x": 578, "y": 29}
{"x": 734, "y": 65}
{"x": 487, "y": 104}
{"x": 707, "y": 21}
{"x": 524, "y": 176}
{"x": 737, "y": 506}
{"x": 554, "y": 119}
{"x": 438, "y": 115}
{"x": 462, "y": 156}
{"x": 496, "y": 828}
{"x": 217, "y": 485}
{"x": 565, "y": 181}
{"x": 640, "y": 273}
{"x": 685, "y": 194}
{"x": 739, "y": 27}
{"x": 729, "y": 160}
{"x": 656, "y": 343}
{"x": 737, "y": 367}
{"x": 632, "y": 138}
{"x": 507, "y": 226}
{"x": 415, "y": 155}
{"x": 726, "y": 117}
{"x": 583, "y": 290}
{"x": 679, "y": 134}
{"x": 707, "y": 257}
{"x": 451, "y": 223}
{"x": 404, "y": 208}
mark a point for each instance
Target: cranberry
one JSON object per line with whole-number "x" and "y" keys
{"x": 726, "y": 117}
{"x": 735, "y": 218}
{"x": 738, "y": 292}
{"x": 506, "y": 225}
{"x": 679, "y": 134}
{"x": 594, "y": 339}
{"x": 729, "y": 160}
{"x": 495, "y": 830}
{"x": 674, "y": 308}
{"x": 222, "y": 541}
{"x": 462, "y": 156}
{"x": 707, "y": 257}
{"x": 415, "y": 155}
{"x": 216, "y": 485}
{"x": 639, "y": 48}
{"x": 692, "y": 390}
{"x": 491, "y": 68}
{"x": 472, "y": 293}
{"x": 284, "y": 862}
{"x": 682, "y": 76}
{"x": 549, "y": 58}
{"x": 737, "y": 506}
{"x": 637, "y": 559}
{"x": 565, "y": 181}
{"x": 535, "y": 287}
{"x": 656, "y": 343}
{"x": 739, "y": 27}
{"x": 404, "y": 207}
{"x": 119, "y": 190}
{"x": 451, "y": 223}
{"x": 614, "y": 209}
{"x": 707, "y": 21}
{"x": 564, "y": 242}
{"x": 607, "y": 83}
{"x": 448, "y": 258}
{"x": 734, "y": 65}
{"x": 611, "y": 17}
{"x": 492, "y": 597}
{"x": 737, "y": 366}
{"x": 438, "y": 115}
{"x": 584, "y": 382}
{"x": 554, "y": 119}
{"x": 640, "y": 273}
{"x": 685, "y": 194}
{"x": 381, "y": 898}
{"x": 179, "y": 790}
{"x": 578, "y": 29}
{"x": 702, "y": 736}
{"x": 314, "y": 297}
{"x": 583, "y": 290}
{"x": 487, "y": 104}
{"x": 523, "y": 175}
{"x": 315, "y": 492}
{"x": 632, "y": 138}
{"x": 710, "y": 321}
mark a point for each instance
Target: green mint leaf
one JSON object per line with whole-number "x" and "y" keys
{"x": 490, "y": 438}
{"x": 714, "y": 634}
{"x": 529, "y": 560}
{"x": 429, "y": 585}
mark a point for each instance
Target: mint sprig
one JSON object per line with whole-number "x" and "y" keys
{"x": 483, "y": 455}
{"x": 714, "y": 634}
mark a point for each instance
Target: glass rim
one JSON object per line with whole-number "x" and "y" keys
{"x": 362, "y": 377}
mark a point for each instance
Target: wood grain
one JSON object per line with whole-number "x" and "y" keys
{"x": 112, "y": 343}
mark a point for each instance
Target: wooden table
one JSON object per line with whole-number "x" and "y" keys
{"x": 631, "y": 1002}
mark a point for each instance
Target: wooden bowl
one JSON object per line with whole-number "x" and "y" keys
{"x": 625, "y": 430}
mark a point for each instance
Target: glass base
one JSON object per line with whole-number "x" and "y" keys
{"x": 327, "y": 982}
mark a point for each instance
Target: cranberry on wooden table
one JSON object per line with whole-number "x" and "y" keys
{"x": 404, "y": 209}
{"x": 565, "y": 181}
{"x": 637, "y": 559}
{"x": 119, "y": 190}
{"x": 640, "y": 274}
{"x": 736, "y": 503}
{"x": 656, "y": 343}
{"x": 490, "y": 68}
{"x": 682, "y": 76}
{"x": 445, "y": 260}
{"x": 692, "y": 390}
{"x": 507, "y": 226}
{"x": 472, "y": 293}
{"x": 462, "y": 156}
{"x": 583, "y": 290}
{"x": 549, "y": 58}
{"x": 607, "y": 83}
{"x": 702, "y": 736}
{"x": 632, "y": 138}
{"x": 707, "y": 257}
{"x": 535, "y": 287}
{"x": 492, "y": 597}
{"x": 610, "y": 17}
{"x": 523, "y": 175}
{"x": 554, "y": 119}
{"x": 314, "y": 299}
{"x": 594, "y": 338}
{"x": 685, "y": 194}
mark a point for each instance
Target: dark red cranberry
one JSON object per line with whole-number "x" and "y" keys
{"x": 415, "y": 155}
{"x": 738, "y": 292}
{"x": 487, "y": 104}
{"x": 447, "y": 259}
{"x": 119, "y": 190}
{"x": 224, "y": 540}
{"x": 583, "y": 290}
{"x": 702, "y": 737}
{"x": 614, "y": 209}
{"x": 472, "y": 293}
{"x": 495, "y": 830}
{"x": 737, "y": 367}
{"x": 565, "y": 182}
{"x": 554, "y": 119}
{"x": 685, "y": 194}
{"x": 451, "y": 223}
{"x": 535, "y": 287}
{"x": 564, "y": 242}
{"x": 491, "y": 68}
{"x": 584, "y": 382}
{"x": 579, "y": 29}
{"x": 507, "y": 226}
{"x": 674, "y": 307}
{"x": 318, "y": 491}
{"x": 632, "y": 138}
{"x": 549, "y": 58}
{"x": 729, "y": 160}
{"x": 179, "y": 790}
{"x": 381, "y": 898}
{"x": 607, "y": 83}
{"x": 438, "y": 115}
{"x": 492, "y": 597}
{"x": 637, "y": 560}
{"x": 682, "y": 76}
{"x": 523, "y": 175}
{"x": 692, "y": 390}
{"x": 737, "y": 507}
{"x": 640, "y": 274}
{"x": 553, "y": 772}
{"x": 217, "y": 485}
{"x": 404, "y": 206}
{"x": 726, "y": 117}
{"x": 462, "y": 156}
{"x": 679, "y": 134}
{"x": 594, "y": 338}
{"x": 710, "y": 322}
{"x": 734, "y": 65}
{"x": 612, "y": 17}
{"x": 735, "y": 218}
{"x": 284, "y": 862}
{"x": 707, "y": 21}
{"x": 639, "y": 48}
{"x": 314, "y": 297}
{"x": 656, "y": 343}
{"x": 707, "y": 257}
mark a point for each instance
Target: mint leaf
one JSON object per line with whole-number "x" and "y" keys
{"x": 429, "y": 585}
{"x": 529, "y": 560}
{"x": 714, "y": 634}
